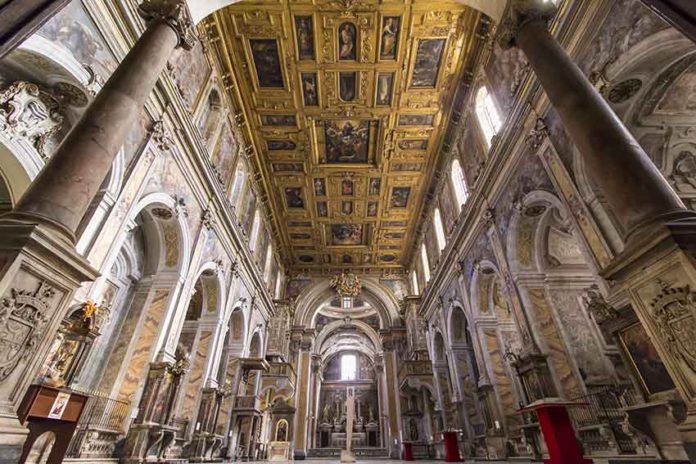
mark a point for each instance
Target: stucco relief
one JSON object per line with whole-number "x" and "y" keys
{"x": 506, "y": 73}
{"x": 73, "y": 28}
{"x": 189, "y": 70}
{"x": 627, "y": 23}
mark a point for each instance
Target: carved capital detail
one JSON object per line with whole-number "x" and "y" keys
{"x": 522, "y": 12}
{"x": 175, "y": 14}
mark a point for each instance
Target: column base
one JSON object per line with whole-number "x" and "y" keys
{"x": 39, "y": 273}
{"x": 347, "y": 456}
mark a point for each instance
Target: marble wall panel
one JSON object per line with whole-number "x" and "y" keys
{"x": 499, "y": 375}
{"x": 579, "y": 337}
{"x": 117, "y": 358}
{"x": 140, "y": 356}
{"x": 194, "y": 378}
{"x": 559, "y": 360}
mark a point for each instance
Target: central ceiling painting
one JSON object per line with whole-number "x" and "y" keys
{"x": 345, "y": 104}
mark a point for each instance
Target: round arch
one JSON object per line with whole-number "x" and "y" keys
{"x": 203, "y": 8}
{"x": 329, "y": 329}
{"x": 379, "y": 298}
{"x": 214, "y": 268}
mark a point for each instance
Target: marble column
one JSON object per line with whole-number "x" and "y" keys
{"x": 633, "y": 186}
{"x": 64, "y": 189}
{"x": 656, "y": 270}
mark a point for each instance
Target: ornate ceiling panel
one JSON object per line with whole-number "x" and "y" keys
{"x": 346, "y": 103}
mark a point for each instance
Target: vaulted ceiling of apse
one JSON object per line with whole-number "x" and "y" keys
{"x": 346, "y": 104}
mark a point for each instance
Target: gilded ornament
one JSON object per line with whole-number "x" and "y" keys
{"x": 346, "y": 284}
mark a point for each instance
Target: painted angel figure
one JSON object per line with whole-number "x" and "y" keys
{"x": 389, "y": 33}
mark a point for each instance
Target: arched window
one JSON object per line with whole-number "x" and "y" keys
{"x": 414, "y": 283}
{"x": 267, "y": 265}
{"x": 439, "y": 230}
{"x": 237, "y": 185}
{"x": 458, "y": 183}
{"x": 349, "y": 367}
{"x": 254, "y": 236}
{"x": 487, "y": 114}
{"x": 425, "y": 262}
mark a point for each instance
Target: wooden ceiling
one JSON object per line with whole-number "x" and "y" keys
{"x": 346, "y": 103}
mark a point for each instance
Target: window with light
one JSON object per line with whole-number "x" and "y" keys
{"x": 425, "y": 262}
{"x": 237, "y": 185}
{"x": 439, "y": 230}
{"x": 267, "y": 266}
{"x": 414, "y": 282}
{"x": 254, "y": 237}
{"x": 349, "y": 367}
{"x": 487, "y": 114}
{"x": 459, "y": 183}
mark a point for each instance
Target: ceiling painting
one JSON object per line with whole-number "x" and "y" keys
{"x": 345, "y": 105}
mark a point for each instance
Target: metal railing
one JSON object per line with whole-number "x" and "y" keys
{"x": 102, "y": 417}
{"x": 599, "y": 420}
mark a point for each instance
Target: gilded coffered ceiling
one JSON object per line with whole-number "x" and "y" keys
{"x": 345, "y": 103}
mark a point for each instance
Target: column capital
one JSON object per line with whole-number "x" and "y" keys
{"x": 521, "y": 13}
{"x": 175, "y": 14}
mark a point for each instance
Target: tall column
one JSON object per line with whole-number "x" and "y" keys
{"x": 304, "y": 340}
{"x": 64, "y": 189}
{"x": 656, "y": 270}
{"x": 633, "y": 186}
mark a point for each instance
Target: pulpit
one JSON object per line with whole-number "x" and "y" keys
{"x": 558, "y": 431}
{"x": 50, "y": 412}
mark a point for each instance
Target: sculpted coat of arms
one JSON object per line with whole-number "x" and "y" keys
{"x": 23, "y": 316}
{"x": 674, "y": 309}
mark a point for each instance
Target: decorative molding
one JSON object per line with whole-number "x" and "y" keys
{"x": 30, "y": 112}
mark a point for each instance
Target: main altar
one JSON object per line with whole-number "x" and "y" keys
{"x": 332, "y": 424}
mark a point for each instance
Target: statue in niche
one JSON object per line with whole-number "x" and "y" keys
{"x": 326, "y": 413}
{"x": 499, "y": 302}
{"x": 370, "y": 414}
{"x": 282, "y": 431}
{"x": 413, "y": 430}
